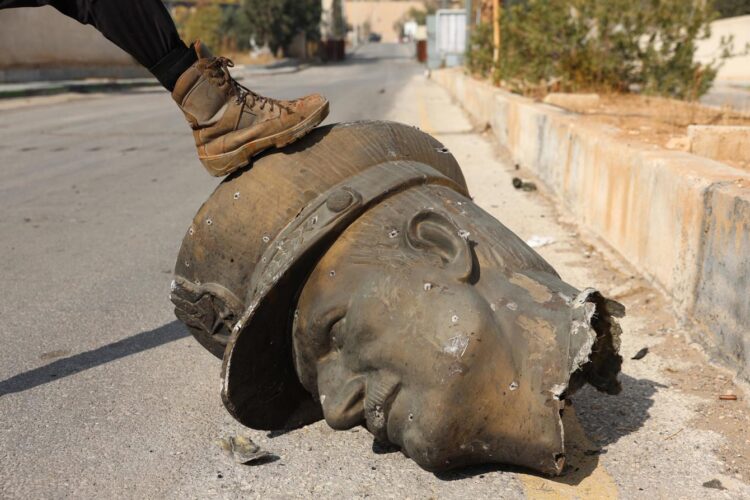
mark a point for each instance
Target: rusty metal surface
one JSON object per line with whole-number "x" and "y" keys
{"x": 236, "y": 224}
{"x": 351, "y": 277}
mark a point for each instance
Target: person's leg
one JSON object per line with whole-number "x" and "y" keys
{"x": 230, "y": 123}
{"x": 143, "y": 28}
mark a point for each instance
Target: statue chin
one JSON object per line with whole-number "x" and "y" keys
{"x": 380, "y": 295}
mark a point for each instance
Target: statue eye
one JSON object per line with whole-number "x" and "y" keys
{"x": 337, "y": 334}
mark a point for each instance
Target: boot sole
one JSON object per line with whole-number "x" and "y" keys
{"x": 226, "y": 163}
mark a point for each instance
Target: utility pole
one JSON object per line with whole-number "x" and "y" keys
{"x": 497, "y": 7}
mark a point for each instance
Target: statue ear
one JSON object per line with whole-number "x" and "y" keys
{"x": 435, "y": 233}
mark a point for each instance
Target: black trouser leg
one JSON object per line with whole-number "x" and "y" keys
{"x": 142, "y": 28}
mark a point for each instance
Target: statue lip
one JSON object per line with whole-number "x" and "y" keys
{"x": 378, "y": 408}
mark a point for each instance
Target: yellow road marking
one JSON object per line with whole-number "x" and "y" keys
{"x": 590, "y": 481}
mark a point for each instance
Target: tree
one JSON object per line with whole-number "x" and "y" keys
{"x": 417, "y": 15}
{"x": 277, "y": 22}
{"x": 732, "y": 8}
{"x": 584, "y": 45}
{"x": 338, "y": 23}
{"x": 420, "y": 15}
{"x": 204, "y": 23}
{"x": 236, "y": 26}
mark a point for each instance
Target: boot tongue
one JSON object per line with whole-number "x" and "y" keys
{"x": 202, "y": 51}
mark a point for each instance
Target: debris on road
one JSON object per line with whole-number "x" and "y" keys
{"x": 715, "y": 484}
{"x": 673, "y": 434}
{"x": 523, "y": 185}
{"x": 242, "y": 449}
{"x": 640, "y": 354}
{"x": 540, "y": 241}
{"x": 728, "y": 397}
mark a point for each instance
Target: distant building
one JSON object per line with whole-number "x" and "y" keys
{"x": 737, "y": 67}
{"x": 380, "y": 17}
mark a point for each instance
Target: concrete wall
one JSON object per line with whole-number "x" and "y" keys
{"x": 680, "y": 219}
{"x": 735, "y": 68}
{"x": 33, "y": 38}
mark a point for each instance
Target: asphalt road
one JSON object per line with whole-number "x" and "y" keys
{"x": 99, "y": 386}
{"x": 103, "y": 395}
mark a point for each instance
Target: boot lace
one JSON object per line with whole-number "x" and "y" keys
{"x": 219, "y": 68}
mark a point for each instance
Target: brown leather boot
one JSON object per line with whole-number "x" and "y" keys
{"x": 231, "y": 123}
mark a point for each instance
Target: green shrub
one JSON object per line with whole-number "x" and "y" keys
{"x": 277, "y": 22}
{"x": 479, "y": 53}
{"x": 599, "y": 45}
{"x": 236, "y": 27}
{"x": 204, "y": 24}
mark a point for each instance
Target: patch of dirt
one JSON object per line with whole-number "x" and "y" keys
{"x": 730, "y": 418}
{"x": 684, "y": 364}
{"x": 660, "y": 121}
{"x": 690, "y": 371}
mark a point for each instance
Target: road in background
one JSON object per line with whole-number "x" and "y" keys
{"x": 728, "y": 94}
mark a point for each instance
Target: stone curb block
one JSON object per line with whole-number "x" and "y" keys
{"x": 723, "y": 292}
{"x": 678, "y": 218}
{"x": 83, "y": 87}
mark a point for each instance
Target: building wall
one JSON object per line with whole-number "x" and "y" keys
{"x": 42, "y": 37}
{"x": 735, "y": 68}
{"x": 382, "y": 15}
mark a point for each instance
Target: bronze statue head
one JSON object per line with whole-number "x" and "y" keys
{"x": 389, "y": 299}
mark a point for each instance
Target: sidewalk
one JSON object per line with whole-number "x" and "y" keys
{"x": 92, "y": 85}
{"x": 667, "y": 435}
{"x": 88, "y": 86}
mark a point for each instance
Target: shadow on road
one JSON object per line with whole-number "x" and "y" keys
{"x": 90, "y": 359}
{"x": 605, "y": 419}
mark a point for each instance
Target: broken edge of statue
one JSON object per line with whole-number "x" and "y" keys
{"x": 351, "y": 277}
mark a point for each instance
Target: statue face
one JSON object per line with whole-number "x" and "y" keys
{"x": 428, "y": 355}
{"x": 424, "y": 378}
{"x": 426, "y": 319}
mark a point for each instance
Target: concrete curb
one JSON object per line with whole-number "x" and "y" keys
{"x": 69, "y": 73}
{"x": 78, "y": 86}
{"x": 284, "y": 68}
{"x": 32, "y": 89}
{"x": 680, "y": 219}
